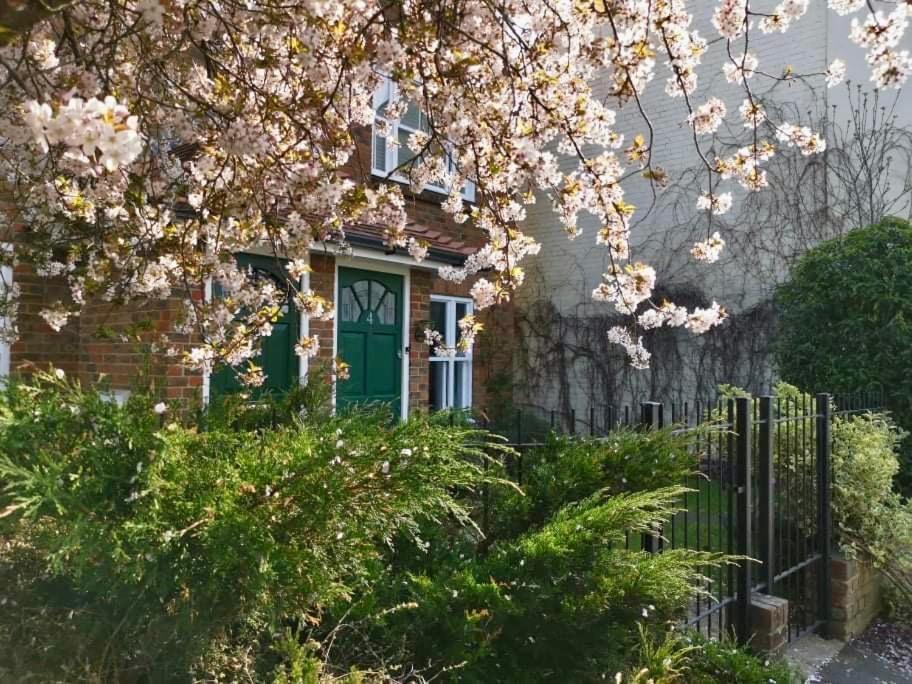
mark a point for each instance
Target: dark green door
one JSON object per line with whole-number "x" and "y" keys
{"x": 277, "y": 357}
{"x": 370, "y": 337}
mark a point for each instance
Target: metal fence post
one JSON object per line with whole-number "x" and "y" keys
{"x": 519, "y": 448}
{"x": 767, "y": 493}
{"x": 824, "y": 514}
{"x": 651, "y": 419}
{"x": 744, "y": 436}
{"x": 651, "y": 415}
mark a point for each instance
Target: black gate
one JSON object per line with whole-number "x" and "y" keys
{"x": 762, "y": 491}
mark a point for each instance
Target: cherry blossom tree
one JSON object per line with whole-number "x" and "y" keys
{"x": 144, "y": 142}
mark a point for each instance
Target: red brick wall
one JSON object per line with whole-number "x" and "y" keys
{"x": 38, "y": 345}
{"x": 419, "y": 365}
{"x": 126, "y": 344}
{"x": 121, "y": 344}
{"x": 323, "y": 283}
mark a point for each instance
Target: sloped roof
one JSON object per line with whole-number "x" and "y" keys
{"x": 441, "y": 247}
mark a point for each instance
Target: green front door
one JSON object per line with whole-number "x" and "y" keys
{"x": 370, "y": 337}
{"x": 277, "y": 357}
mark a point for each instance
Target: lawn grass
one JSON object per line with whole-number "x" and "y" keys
{"x": 704, "y": 525}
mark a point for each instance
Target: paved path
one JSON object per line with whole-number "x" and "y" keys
{"x": 882, "y": 655}
{"x": 856, "y": 664}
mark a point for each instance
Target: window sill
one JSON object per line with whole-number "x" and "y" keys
{"x": 429, "y": 193}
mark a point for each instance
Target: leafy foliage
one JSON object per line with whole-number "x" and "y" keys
{"x": 558, "y": 601}
{"x": 846, "y": 318}
{"x": 177, "y": 535}
{"x": 567, "y": 469}
{"x": 271, "y": 547}
{"x": 873, "y": 520}
{"x": 676, "y": 657}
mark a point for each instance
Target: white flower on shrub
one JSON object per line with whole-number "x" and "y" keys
{"x": 56, "y": 318}
{"x": 160, "y": 407}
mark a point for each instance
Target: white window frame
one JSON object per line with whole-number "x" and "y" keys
{"x": 6, "y": 281}
{"x": 387, "y": 93}
{"x": 465, "y": 361}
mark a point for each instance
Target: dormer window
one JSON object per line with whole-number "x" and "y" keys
{"x": 391, "y": 154}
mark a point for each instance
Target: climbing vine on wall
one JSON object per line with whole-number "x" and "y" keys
{"x": 565, "y": 360}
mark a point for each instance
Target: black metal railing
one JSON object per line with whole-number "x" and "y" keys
{"x": 762, "y": 491}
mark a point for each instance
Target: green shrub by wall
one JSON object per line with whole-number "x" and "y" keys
{"x": 845, "y": 319}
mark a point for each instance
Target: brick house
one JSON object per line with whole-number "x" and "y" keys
{"x": 384, "y": 300}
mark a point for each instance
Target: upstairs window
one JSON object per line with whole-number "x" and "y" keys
{"x": 450, "y": 385}
{"x": 392, "y": 152}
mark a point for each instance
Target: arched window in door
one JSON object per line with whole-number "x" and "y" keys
{"x": 367, "y": 301}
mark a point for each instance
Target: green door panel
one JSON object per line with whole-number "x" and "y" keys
{"x": 277, "y": 357}
{"x": 370, "y": 314}
{"x": 354, "y": 347}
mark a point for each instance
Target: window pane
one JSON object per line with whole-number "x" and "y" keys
{"x": 412, "y": 116}
{"x": 438, "y": 316}
{"x": 462, "y": 309}
{"x": 380, "y": 152}
{"x": 437, "y": 385}
{"x": 406, "y": 154}
{"x": 462, "y": 380}
{"x": 351, "y": 311}
{"x": 386, "y": 313}
{"x": 377, "y": 291}
{"x": 361, "y": 288}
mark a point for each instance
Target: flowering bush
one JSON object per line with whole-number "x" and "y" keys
{"x": 144, "y": 143}
{"x": 873, "y": 521}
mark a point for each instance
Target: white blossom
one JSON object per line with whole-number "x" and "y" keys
{"x": 701, "y": 320}
{"x": 708, "y": 117}
{"x": 835, "y": 73}
{"x": 709, "y": 250}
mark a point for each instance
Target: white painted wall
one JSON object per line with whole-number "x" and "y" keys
{"x": 842, "y": 98}
{"x": 566, "y": 271}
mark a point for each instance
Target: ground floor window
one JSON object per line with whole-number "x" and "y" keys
{"x": 450, "y": 385}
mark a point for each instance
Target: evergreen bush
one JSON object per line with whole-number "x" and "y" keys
{"x": 268, "y": 543}
{"x": 845, "y": 319}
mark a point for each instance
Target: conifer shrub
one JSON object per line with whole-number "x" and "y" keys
{"x": 271, "y": 543}
{"x": 161, "y": 538}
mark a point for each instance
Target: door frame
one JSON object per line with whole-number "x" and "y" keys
{"x": 380, "y": 266}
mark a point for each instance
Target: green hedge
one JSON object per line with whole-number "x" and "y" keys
{"x": 845, "y": 319}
